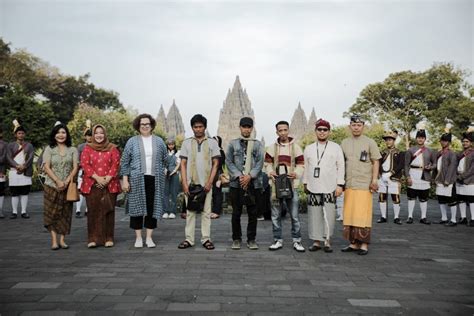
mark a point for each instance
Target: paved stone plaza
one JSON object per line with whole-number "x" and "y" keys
{"x": 410, "y": 270}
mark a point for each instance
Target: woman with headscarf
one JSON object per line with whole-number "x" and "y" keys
{"x": 100, "y": 161}
{"x": 60, "y": 165}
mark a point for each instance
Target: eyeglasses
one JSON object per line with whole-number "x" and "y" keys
{"x": 145, "y": 124}
{"x": 322, "y": 129}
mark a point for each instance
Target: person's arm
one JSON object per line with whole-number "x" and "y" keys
{"x": 375, "y": 157}
{"x": 299, "y": 163}
{"x": 210, "y": 180}
{"x": 30, "y": 155}
{"x": 341, "y": 170}
{"x": 184, "y": 175}
{"x": 269, "y": 162}
{"x": 75, "y": 166}
{"x": 125, "y": 165}
{"x": 234, "y": 172}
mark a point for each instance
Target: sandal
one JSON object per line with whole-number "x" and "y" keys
{"x": 314, "y": 247}
{"x": 215, "y": 216}
{"x": 185, "y": 244}
{"x": 208, "y": 245}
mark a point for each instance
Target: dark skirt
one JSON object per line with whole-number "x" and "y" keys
{"x": 57, "y": 211}
{"x": 100, "y": 215}
{"x": 356, "y": 234}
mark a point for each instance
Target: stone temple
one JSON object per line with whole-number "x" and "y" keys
{"x": 171, "y": 124}
{"x": 236, "y": 105}
{"x": 299, "y": 125}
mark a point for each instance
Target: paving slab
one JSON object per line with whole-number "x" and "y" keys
{"x": 410, "y": 270}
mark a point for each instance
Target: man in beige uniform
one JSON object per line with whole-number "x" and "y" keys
{"x": 362, "y": 166}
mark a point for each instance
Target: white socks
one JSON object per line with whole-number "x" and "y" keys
{"x": 444, "y": 210}
{"x": 396, "y": 210}
{"x": 471, "y": 208}
{"x": 24, "y": 203}
{"x": 1, "y": 203}
{"x": 453, "y": 213}
{"x": 411, "y": 207}
{"x": 383, "y": 209}
{"x": 15, "y": 200}
{"x": 424, "y": 207}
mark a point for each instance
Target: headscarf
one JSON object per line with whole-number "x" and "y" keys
{"x": 105, "y": 145}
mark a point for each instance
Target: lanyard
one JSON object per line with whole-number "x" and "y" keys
{"x": 317, "y": 152}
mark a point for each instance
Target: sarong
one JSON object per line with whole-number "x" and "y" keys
{"x": 57, "y": 211}
{"x": 357, "y": 215}
{"x": 100, "y": 215}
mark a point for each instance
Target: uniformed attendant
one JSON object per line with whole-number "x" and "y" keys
{"x": 465, "y": 177}
{"x": 390, "y": 173}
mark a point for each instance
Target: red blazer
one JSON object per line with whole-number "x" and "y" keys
{"x": 103, "y": 164}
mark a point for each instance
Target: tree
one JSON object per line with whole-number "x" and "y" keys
{"x": 405, "y": 98}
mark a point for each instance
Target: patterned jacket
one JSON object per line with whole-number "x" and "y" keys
{"x": 467, "y": 177}
{"x": 133, "y": 166}
{"x": 12, "y": 148}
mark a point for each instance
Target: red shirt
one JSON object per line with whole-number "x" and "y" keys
{"x": 101, "y": 163}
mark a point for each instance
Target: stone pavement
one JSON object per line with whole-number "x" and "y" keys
{"x": 410, "y": 270}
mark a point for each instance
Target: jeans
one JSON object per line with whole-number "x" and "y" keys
{"x": 217, "y": 197}
{"x": 171, "y": 193}
{"x": 236, "y": 195}
{"x": 292, "y": 206}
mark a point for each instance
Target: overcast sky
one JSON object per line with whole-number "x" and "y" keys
{"x": 319, "y": 53}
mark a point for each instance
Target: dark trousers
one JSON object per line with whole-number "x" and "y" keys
{"x": 217, "y": 198}
{"x": 137, "y": 222}
{"x": 236, "y": 195}
{"x": 264, "y": 205}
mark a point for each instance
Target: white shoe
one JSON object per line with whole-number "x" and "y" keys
{"x": 339, "y": 219}
{"x": 165, "y": 216}
{"x": 278, "y": 244}
{"x": 172, "y": 216}
{"x": 298, "y": 246}
{"x": 139, "y": 243}
{"x": 150, "y": 244}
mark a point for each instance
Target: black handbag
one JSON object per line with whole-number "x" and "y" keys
{"x": 196, "y": 198}
{"x": 283, "y": 187}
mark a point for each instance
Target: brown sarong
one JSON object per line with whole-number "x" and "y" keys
{"x": 356, "y": 234}
{"x": 100, "y": 215}
{"x": 57, "y": 214}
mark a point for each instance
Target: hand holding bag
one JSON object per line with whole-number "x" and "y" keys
{"x": 196, "y": 198}
{"x": 72, "y": 194}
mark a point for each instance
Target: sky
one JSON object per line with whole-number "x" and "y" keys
{"x": 319, "y": 53}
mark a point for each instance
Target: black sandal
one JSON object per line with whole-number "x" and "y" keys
{"x": 314, "y": 247}
{"x": 185, "y": 244}
{"x": 208, "y": 245}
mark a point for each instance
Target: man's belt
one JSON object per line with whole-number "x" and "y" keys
{"x": 416, "y": 167}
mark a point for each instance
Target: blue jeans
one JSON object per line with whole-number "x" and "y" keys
{"x": 292, "y": 206}
{"x": 171, "y": 193}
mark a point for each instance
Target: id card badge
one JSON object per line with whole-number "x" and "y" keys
{"x": 364, "y": 156}
{"x": 316, "y": 172}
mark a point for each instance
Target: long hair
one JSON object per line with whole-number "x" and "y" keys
{"x": 54, "y": 131}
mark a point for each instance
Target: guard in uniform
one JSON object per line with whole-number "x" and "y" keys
{"x": 465, "y": 177}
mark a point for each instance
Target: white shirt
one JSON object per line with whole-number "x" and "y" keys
{"x": 331, "y": 167}
{"x": 147, "y": 145}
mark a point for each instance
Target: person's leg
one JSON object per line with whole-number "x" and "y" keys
{"x": 252, "y": 223}
{"x": 150, "y": 221}
{"x": 54, "y": 240}
{"x": 383, "y": 207}
{"x": 2, "y": 196}
{"x": 110, "y": 222}
{"x": 293, "y": 208}
{"x": 15, "y": 200}
{"x": 315, "y": 220}
{"x": 206, "y": 219}
{"x": 174, "y": 188}
{"x": 329, "y": 211}
{"x": 236, "y": 201}
{"x": 411, "y": 194}
{"x": 423, "y": 197}
{"x": 396, "y": 206}
{"x": 217, "y": 197}
{"x": 276, "y": 220}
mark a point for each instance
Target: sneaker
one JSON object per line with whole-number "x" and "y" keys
{"x": 139, "y": 243}
{"x": 236, "y": 244}
{"x": 340, "y": 219}
{"x": 165, "y": 216}
{"x": 298, "y": 246}
{"x": 260, "y": 218}
{"x": 277, "y": 244}
{"x": 252, "y": 245}
{"x": 171, "y": 216}
{"x": 150, "y": 244}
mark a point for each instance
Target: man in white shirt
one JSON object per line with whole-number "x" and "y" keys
{"x": 323, "y": 180}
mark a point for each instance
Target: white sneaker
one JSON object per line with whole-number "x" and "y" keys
{"x": 150, "y": 244}
{"x": 165, "y": 216}
{"x": 340, "y": 219}
{"x": 172, "y": 216}
{"x": 298, "y": 246}
{"x": 138, "y": 243}
{"x": 278, "y": 244}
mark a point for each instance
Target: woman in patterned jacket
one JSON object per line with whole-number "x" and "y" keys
{"x": 143, "y": 164}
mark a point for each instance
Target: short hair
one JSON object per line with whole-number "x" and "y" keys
{"x": 282, "y": 123}
{"x": 136, "y": 121}
{"x": 198, "y": 118}
{"x": 54, "y": 131}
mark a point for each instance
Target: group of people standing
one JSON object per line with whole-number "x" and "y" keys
{"x": 151, "y": 171}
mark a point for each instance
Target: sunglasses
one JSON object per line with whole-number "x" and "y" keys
{"x": 322, "y": 129}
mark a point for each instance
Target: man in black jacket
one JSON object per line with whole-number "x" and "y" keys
{"x": 390, "y": 173}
